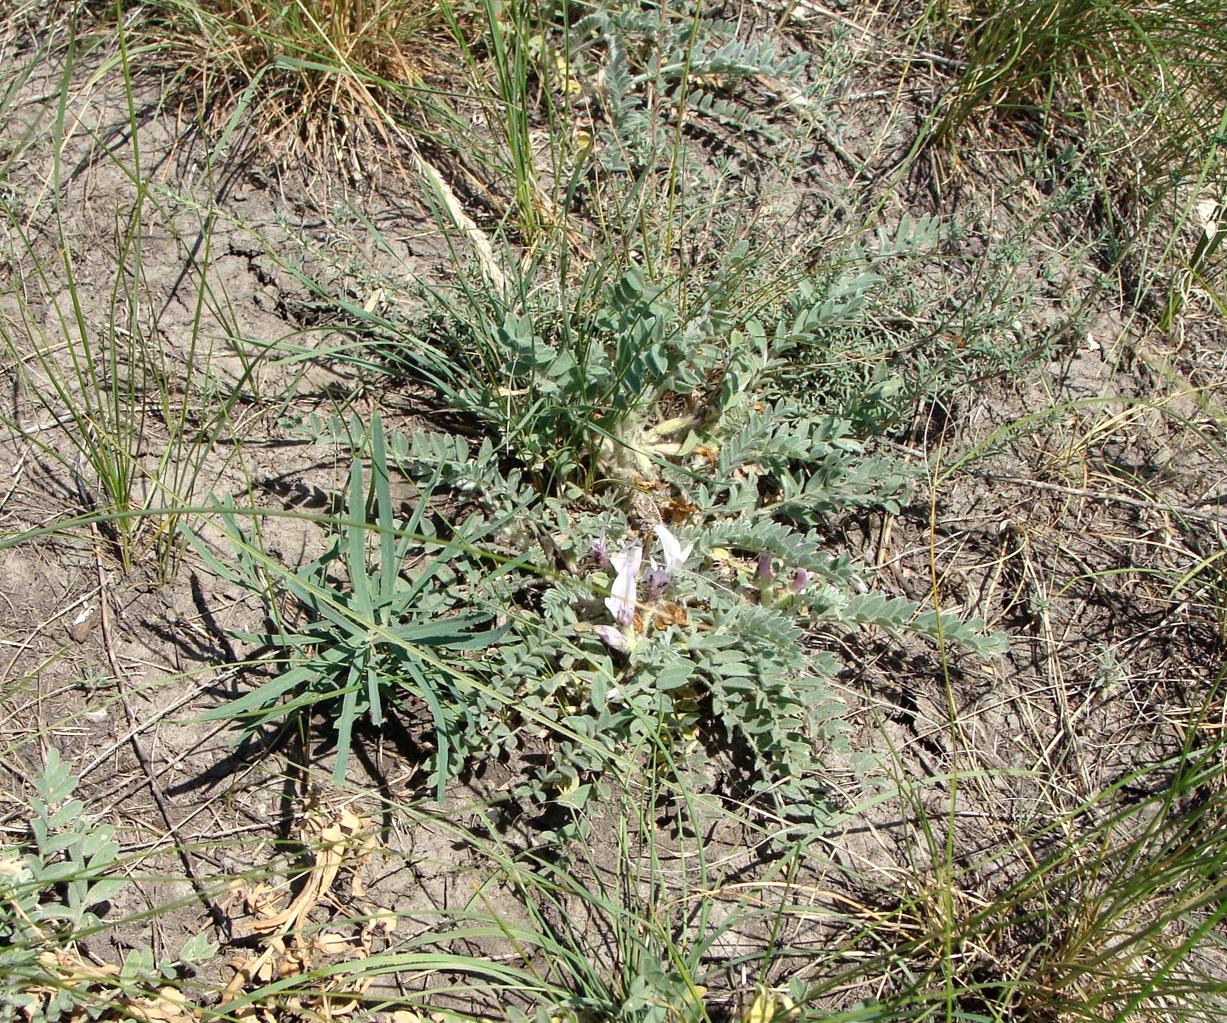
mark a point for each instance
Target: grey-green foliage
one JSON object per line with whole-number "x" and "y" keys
{"x": 724, "y": 659}
{"x": 566, "y": 377}
{"x": 54, "y": 891}
{"x": 737, "y": 669}
{"x": 813, "y": 465}
{"x": 891, "y": 318}
{"x": 441, "y": 461}
{"x": 651, "y": 62}
{"x": 69, "y": 852}
{"x": 368, "y": 635}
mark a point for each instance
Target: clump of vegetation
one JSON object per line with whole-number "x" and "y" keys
{"x": 662, "y": 643}
{"x": 321, "y": 77}
{"x": 378, "y": 640}
{"x": 53, "y": 893}
{"x": 617, "y": 643}
{"x": 1143, "y": 72}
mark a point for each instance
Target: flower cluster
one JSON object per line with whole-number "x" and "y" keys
{"x": 623, "y": 596}
{"x": 766, "y": 573}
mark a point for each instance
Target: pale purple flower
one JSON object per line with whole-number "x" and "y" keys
{"x": 801, "y": 579}
{"x": 623, "y": 593}
{"x": 655, "y": 581}
{"x": 765, "y": 572}
{"x": 675, "y": 554}
{"x": 627, "y": 561}
{"x": 612, "y": 636}
{"x": 600, "y": 552}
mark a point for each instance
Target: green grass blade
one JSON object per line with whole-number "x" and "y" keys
{"x": 355, "y": 535}
{"x": 388, "y": 567}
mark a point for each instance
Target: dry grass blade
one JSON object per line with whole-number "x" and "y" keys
{"x": 454, "y": 209}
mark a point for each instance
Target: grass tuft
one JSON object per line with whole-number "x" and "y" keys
{"x": 321, "y": 77}
{"x": 1149, "y": 75}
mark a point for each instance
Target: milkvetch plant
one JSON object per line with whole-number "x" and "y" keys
{"x": 569, "y": 376}
{"x": 55, "y": 890}
{"x": 702, "y": 638}
{"x": 720, "y": 660}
